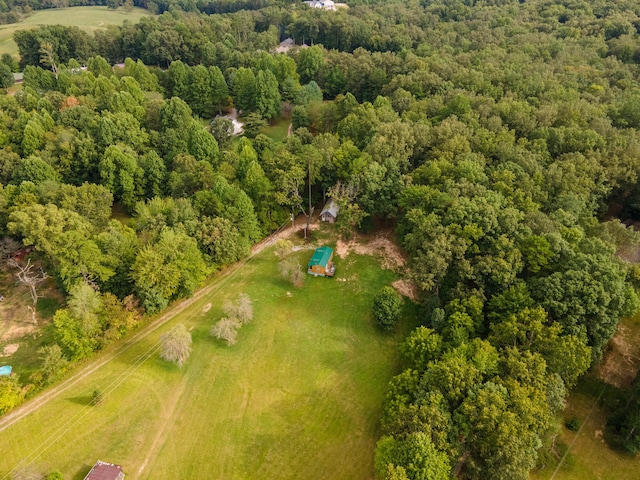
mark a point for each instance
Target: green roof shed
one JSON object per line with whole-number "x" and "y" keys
{"x": 321, "y": 262}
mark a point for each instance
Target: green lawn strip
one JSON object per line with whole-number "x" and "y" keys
{"x": 88, "y": 19}
{"x": 278, "y": 131}
{"x": 298, "y": 396}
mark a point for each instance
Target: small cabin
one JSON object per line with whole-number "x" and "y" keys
{"x": 105, "y": 471}
{"x": 330, "y": 212}
{"x": 321, "y": 264}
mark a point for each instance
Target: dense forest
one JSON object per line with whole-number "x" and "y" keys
{"x": 496, "y": 136}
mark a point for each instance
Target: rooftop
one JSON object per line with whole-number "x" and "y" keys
{"x": 331, "y": 207}
{"x": 321, "y": 256}
{"x": 105, "y": 471}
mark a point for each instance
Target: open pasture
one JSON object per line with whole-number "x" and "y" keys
{"x": 298, "y": 396}
{"x": 88, "y": 19}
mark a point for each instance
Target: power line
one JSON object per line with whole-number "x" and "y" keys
{"x": 137, "y": 363}
{"x": 578, "y": 433}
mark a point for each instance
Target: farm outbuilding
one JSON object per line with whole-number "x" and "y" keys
{"x": 330, "y": 211}
{"x": 321, "y": 263}
{"x": 105, "y": 471}
{"x": 5, "y": 370}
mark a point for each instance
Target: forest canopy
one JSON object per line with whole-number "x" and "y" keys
{"x": 500, "y": 138}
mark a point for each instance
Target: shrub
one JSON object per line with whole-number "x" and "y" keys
{"x": 573, "y": 424}
{"x": 387, "y": 305}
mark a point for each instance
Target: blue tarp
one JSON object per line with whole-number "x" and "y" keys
{"x": 5, "y": 370}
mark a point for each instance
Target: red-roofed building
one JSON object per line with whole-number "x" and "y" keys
{"x": 105, "y": 471}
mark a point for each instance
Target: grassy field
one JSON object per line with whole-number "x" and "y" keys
{"x": 88, "y": 19}
{"x": 589, "y": 455}
{"x": 298, "y": 396}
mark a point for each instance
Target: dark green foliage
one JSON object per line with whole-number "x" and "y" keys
{"x": 494, "y": 135}
{"x": 415, "y": 454}
{"x": 222, "y": 130}
{"x": 167, "y": 269}
{"x": 96, "y": 398}
{"x": 6, "y": 76}
{"x": 573, "y": 424}
{"x": 624, "y": 424}
{"x": 253, "y": 123}
{"x": 387, "y": 305}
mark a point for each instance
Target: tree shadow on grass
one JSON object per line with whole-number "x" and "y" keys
{"x": 82, "y": 472}
{"x": 81, "y": 400}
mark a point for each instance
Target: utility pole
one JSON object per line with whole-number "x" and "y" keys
{"x": 310, "y": 207}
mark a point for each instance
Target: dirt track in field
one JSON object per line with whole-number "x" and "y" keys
{"x": 42, "y": 399}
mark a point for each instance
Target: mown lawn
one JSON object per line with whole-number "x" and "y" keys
{"x": 298, "y": 396}
{"x": 88, "y": 19}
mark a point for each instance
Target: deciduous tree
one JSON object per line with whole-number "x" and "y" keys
{"x": 176, "y": 345}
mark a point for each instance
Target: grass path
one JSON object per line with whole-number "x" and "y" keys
{"x": 88, "y": 368}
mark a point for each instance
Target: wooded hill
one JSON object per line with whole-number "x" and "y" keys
{"x": 496, "y": 135}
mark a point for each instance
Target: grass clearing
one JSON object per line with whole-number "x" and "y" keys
{"x": 298, "y": 396}
{"x": 20, "y": 339}
{"x": 590, "y": 457}
{"x": 278, "y": 130}
{"x": 88, "y": 19}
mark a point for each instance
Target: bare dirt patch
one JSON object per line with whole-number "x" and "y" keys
{"x": 620, "y": 363}
{"x": 206, "y": 308}
{"x": 9, "y": 350}
{"x": 381, "y": 244}
{"x": 18, "y": 330}
{"x": 406, "y": 288}
{"x": 629, "y": 253}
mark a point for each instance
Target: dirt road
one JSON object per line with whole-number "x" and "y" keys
{"x": 99, "y": 361}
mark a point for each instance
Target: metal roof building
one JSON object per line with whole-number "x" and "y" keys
{"x": 321, "y": 264}
{"x": 105, "y": 471}
{"x": 330, "y": 211}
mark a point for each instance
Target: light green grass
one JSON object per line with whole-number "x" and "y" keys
{"x": 299, "y": 395}
{"x": 589, "y": 456}
{"x": 88, "y": 19}
{"x": 278, "y": 131}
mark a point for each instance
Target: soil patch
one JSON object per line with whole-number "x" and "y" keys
{"x": 18, "y": 330}
{"x": 9, "y": 350}
{"x": 620, "y": 363}
{"x": 629, "y": 253}
{"x": 406, "y": 288}
{"x": 381, "y": 245}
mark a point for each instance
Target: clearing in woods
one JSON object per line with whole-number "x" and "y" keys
{"x": 590, "y": 457}
{"x": 88, "y": 19}
{"x": 299, "y": 395}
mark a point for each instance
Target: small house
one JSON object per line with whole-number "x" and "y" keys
{"x": 5, "y": 370}
{"x": 321, "y": 263}
{"x": 330, "y": 211}
{"x": 285, "y": 45}
{"x": 105, "y": 471}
